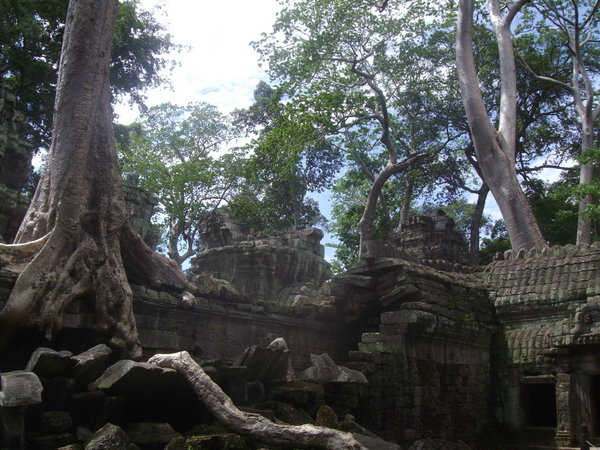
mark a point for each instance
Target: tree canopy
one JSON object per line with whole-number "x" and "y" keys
{"x": 175, "y": 151}
{"x": 31, "y": 33}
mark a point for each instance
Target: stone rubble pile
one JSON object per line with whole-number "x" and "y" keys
{"x": 92, "y": 401}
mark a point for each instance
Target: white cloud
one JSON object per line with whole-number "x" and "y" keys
{"x": 220, "y": 67}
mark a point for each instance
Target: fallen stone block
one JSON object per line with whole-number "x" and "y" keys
{"x": 12, "y": 427}
{"x": 85, "y": 407}
{"x": 128, "y": 377}
{"x": 53, "y": 441}
{"x": 325, "y": 370}
{"x": 151, "y": 433}
{"x": 47, "y": 363}
{"x": 110, "y": 437}
{"x": 55, "y": 422}
{"x": 375, "y": 443}
{"x": 89, "y": 365}
{"x": 20, "y": 388}
{"x": 346, "y": 375}
{"x": 438, "y": 444}
{"x": 57, "y": 392}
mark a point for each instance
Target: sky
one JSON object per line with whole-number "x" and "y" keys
{"x": 220, "y": 67}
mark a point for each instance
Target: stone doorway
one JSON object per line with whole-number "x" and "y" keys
{"x": 538, "y": 401}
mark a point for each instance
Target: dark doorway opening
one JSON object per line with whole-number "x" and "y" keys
{"x": 539, "y": 404}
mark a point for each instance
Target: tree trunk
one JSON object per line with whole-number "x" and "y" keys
{"x": 586, "y": 174}
{"x": 366, "y": 222}
{"x": 223, "y": 409}
{"x": 406, "y": 201}
{"x": 78, "y": 208}
{"x": 475, "y": 230}
{"x": 495, "y": 149}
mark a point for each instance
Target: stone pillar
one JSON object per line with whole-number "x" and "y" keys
{"x": 582, "y": 388}
{"x": 565, "y": 426}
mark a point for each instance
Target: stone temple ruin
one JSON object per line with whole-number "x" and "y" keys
{"x": 15, "y": 166}
{"x": 410, "y": 345}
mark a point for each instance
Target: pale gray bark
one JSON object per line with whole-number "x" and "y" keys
{"x": 495, "y": 149}
{"x": 223, "y": 409}
{"x": 475, "y": 226}
{"x": 577, "y": 31}
{"x": 406, "y": 201}
{"x": 365, "y": 225}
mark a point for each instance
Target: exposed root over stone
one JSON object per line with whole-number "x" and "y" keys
{"x": 223, "y": 409}
{"x": 16, "y": 256}
{"x": 68, "y": 267}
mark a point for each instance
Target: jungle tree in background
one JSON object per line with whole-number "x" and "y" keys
{"x": 335, "y": 59}
{"x": 574, "y": 25}
{"x": 288, "y": 157}
{"x": 31, "y": 34}
{"x": 178, "y": 153}
{"x": 314, "y": 56}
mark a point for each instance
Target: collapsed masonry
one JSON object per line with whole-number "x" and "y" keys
{"x": 447, "y": 354}
{"x": 288, "y": 269}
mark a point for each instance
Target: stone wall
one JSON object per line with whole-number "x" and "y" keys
{"x": 209, "y": 328}
{"x": 548, "y": 304}
{"x": 432, "y": 237}
{"x": 15, "y": 166}
{"x": 141, "y": 205}
{"x": 539, "y": 298}
{"x": 428, "y": 362}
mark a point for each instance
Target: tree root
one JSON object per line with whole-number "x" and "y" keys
{"x": 17, "y": 256}
{"x": 223, "y": 409}
{"x": 71, "y": 266}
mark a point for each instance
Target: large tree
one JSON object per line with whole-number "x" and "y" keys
{"x": 339, "y": 63}
{"x": 496, "y": 147}
{"x": 75, "y": 240}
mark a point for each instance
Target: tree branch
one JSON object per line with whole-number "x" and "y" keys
{"x": 543, "y": 78}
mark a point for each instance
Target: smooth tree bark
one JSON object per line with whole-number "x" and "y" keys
{"x": 495, "y": 148}
{"x": 406, "y": 202}
{"x": 76, "y": 240}
{"x": 475, "y": 225}
{"x": 365, "y": 225}
{"x": 579, "y": 30}
{"x": 223, "y": 409}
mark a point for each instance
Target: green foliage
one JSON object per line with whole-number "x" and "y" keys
{"x": 174, "y": 150}
{"x": 358, "y": 72}
{"x": 571, "y": 190}
{"x": 348, "y": 203}
{"x": 30, "y": 43}
{"x": 556, "y": 213}
{"x": 340, "y": 64}
{"x": 290, "y": 157}
{"x": 497, "y": 242}
{"x": 139, "y": 53}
